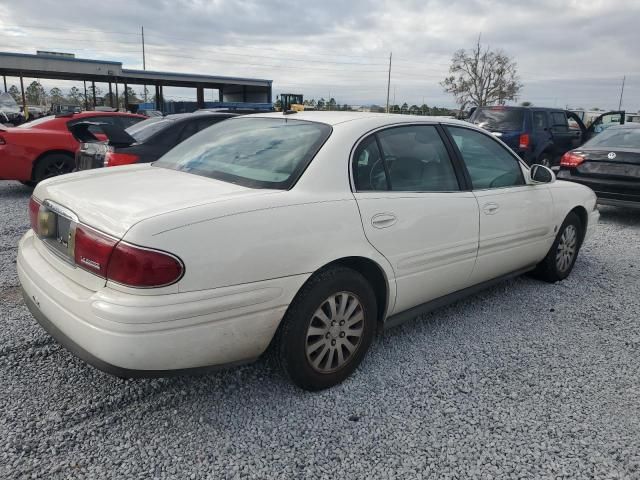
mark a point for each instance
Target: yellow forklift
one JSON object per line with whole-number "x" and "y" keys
{"x": 291, "y": 101}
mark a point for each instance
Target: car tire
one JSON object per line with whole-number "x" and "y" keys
{"x": 562, "y": 255}
{"x": 29, "y": 184}
{"x": 327, "y": 329}
{"x": 53, "y": 165}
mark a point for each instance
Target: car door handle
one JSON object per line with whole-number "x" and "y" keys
{"x": 383, "y": 220}
{"x": 490, "y": 208}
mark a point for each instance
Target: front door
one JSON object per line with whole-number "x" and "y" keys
{"x": 414, "y": 211}
{"x": 515, "y": 218}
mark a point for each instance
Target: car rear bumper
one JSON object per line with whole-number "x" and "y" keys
{"x": 151, "y": 335}
{"x": 609, "y": 191}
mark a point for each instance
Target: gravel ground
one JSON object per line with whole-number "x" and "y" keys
{"x": 526, "y": 380}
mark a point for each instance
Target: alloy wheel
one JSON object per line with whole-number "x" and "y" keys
{"x": 335, "y": 332}
{"x": 566, "y": 250}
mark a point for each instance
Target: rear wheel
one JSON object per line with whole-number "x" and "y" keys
{"x": 327, "y": 329}
{"x": 53, "y": 165}
{"x": 561, "y": 258}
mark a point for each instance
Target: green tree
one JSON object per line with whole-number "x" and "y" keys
{"x": 76, "y": 97}
{"x": 424, "y": 109}
{"x": 404, "y": 108}
{"x": 414, "y": 110}
{"x": 526, "y": 104}
{"x": 394, "y": 109}
{"x": 35, "y": 93}
{"x": 15, "y": 93}
{"x": 482, "y": 77}
{"x": 55, "y": 96}
{"x": 332, "y": 104}
{"x": 321, "y": 103}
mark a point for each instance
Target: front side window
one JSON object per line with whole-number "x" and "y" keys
{"x": 252, "y": 152}
{"x": 490, "y": 165}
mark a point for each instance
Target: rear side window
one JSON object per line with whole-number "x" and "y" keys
{"x": 127, "y": 122}
{"x": 98, "y": 119}
{"x": 407, "y": 159}
{"x": 368, "y": 168}
{"x": 490, "y": 165}
{"x": 499, "y": 118}
{"x": 539, "y": 120}
{"x": 559, "y": 121}
{"x": 147, "y": 128}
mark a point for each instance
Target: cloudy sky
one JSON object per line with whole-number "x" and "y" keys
{"x": 569, "y": 52}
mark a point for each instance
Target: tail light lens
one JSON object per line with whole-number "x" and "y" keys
{"x": 142, "y": 267}
{"x": 2, "y": 141}
{"x": 113, "y": 159}
{"x": 34, "y": 209}
{"x": 108, "y": 257}
{"x": 92, "y": 250}
{"x": 571, "y": 160}
{"x": 524, "y": 141}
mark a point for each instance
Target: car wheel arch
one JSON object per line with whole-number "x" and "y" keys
{"x": 43, "y": 155}
{"x": 582, "y": 214}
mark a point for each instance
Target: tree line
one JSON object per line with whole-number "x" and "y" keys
{"x": 35, "y": 94}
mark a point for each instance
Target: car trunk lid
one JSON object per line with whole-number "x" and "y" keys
{"x": 618, "y": 163}
{"x": 113, "y": 200}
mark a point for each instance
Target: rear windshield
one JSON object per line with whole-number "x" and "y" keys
{"x": 252, "y": 152}
{"x": 616, "y": 137}
{"x": 497, "y": 118}
{"x": 145, "y": 129}
{"x": 7, "y": 101}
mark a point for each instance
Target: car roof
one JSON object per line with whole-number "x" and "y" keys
{"x": 335, "y": 118}
{"x": 185, "y": 116}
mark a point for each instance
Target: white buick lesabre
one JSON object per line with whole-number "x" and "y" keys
{"x": 305, "y": 231}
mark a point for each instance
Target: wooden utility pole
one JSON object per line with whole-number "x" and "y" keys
{"x": 389, "y": 81}
{"x": 621, "y": 92}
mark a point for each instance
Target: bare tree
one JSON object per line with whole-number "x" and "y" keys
{"x": 482, "y": 77}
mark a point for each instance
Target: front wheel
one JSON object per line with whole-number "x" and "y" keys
{"x": 561, "y": 258}
{"x": 327, "y": 329}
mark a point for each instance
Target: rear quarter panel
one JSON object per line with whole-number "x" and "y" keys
{"x": 569, "y": 195}
{"x": 279, "y": 235}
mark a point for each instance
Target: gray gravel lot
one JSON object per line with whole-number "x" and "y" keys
{"x": 526, "y": 380}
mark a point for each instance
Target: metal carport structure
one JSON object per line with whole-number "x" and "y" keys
{"x": 54, "y": 66}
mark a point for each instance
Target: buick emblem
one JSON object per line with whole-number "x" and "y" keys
{"x": 611, "y": 155}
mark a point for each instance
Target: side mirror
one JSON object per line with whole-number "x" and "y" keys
{"x": 541, "y": 174}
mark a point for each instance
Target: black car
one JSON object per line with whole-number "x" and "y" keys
{"x": 609, "y": 164}
{"x": 541, "y": 135}
{"x": 141, "y": 143}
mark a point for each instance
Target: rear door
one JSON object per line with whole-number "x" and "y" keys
{"x": 515, "y": 218}
{"x": 563, "y": 137}
{"x": 415, "y": 211}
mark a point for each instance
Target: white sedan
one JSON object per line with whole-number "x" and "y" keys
{"x": 305, "y": 232}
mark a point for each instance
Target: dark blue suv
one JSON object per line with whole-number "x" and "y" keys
{"x": 541, "y": 135}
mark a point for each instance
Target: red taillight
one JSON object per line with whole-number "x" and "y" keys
{"x": 141, "y": 267}
{"x": 2, "y": 141}
{"x": 92, "y": 250}
{"x": 571, "y": 160}
{"x": 34, "y": 208}
{"x": 113, "y": 159}
{"x": 524, "y": 140}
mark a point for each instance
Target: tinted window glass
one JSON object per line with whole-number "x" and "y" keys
{"x": 559, "y": 121}
{"x": 144, "y": 130}
{"x": 417, "y": 159}
{"x": 99, "y": 119}
{"x": 253, "y": 152}
{"x": 490, "y": 165}
{"x": 368, "y": 169}
{"x": 499, "y": 118}
{"x": 539, "y": 120}
{"x": 127, "y": 122}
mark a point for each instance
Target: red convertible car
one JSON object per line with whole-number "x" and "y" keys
{"x": 45, "y": 147}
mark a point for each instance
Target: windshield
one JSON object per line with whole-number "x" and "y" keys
{"x": 253, "y": 152}
{"x": 616, "y": 137}
{"x": 145, "y": 129}
{"x": 499, "y": 118}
